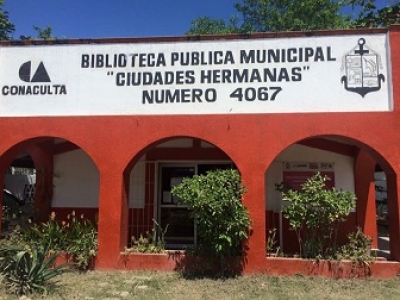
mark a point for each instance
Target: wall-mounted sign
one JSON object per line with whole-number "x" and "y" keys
{"x": 295, "y": 174}
{"x": 288, "y": 75}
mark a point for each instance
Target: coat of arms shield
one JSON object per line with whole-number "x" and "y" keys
{"x": 361, "y": 66}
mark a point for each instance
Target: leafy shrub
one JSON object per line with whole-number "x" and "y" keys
{"x": 315, "y": 214}
{"x": 215, "y": 202}
{"x": 27, "y": 270}
{"x": 81, "y": 240}
{"x": 151, "y": 242}
{"x": 14, "y": 238}
{"x": 271, "y": 240}
{"x": 15, "y": 212}
{"x": 358, "y": 247}
{"x": 9, "y": 213}
{"x": 78, "y": 237}
{"x": 358, "y": 251}
{"x": 51, "y": 234}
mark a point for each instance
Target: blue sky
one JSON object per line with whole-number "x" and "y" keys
{"x": 117, "y": 18}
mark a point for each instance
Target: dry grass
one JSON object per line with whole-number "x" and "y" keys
{"x": 152, "y": 285}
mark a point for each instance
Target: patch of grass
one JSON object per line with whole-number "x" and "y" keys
{"x": 165, "y": 285}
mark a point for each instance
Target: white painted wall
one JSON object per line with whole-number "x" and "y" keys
{"x": 193, "y": 77}
{"x": 343, "y": 168}
{"x": 137, "y": 184}
{"x": 76, "y": 180}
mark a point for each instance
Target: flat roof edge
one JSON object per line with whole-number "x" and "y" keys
{"x": 160, "y": 39}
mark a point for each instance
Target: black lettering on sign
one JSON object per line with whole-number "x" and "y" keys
{"x": 27, "y": 90}
{"x": 148, "y": 60}
{"x": 178, "y": 96}
{"x": 291, "y": 55}
{"x": 202, "y": 58}
{"x": 251, "y": 94}
{"x": 154, "y": 78}
{"x": 103, "y": 61}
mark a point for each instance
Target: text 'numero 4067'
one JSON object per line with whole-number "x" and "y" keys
{"x": 251, "y": 94}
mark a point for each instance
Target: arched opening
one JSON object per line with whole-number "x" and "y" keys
{"x": 52, "y": 175}
{"x": 349, "y": 164}
{"x": 149, "y": 179}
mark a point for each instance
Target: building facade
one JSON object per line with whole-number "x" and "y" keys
{"x": 112, "y": 125}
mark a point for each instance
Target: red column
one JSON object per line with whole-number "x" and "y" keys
{"x": 113, "y": 217}
{"x": 365, "y": 191}
{"x": 254, "y": 200}
{"x": 42, "y": 157}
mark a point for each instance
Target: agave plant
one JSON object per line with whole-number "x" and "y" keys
{"x": 28, "y": 270}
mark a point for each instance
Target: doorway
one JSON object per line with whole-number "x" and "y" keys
{"x": 181, "y": 233}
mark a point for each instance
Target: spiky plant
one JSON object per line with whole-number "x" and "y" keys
{"x": 28, "y": 270}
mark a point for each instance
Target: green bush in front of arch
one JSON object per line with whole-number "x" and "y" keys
{"x": 215, "y": 202}
{"x": 315, "y": 214}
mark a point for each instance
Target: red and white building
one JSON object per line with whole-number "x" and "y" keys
{"x": 112, "y": 124}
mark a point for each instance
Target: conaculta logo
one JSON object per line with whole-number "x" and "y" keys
{"x": 39, "y": 76}
{"x": 33, "y": 74}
